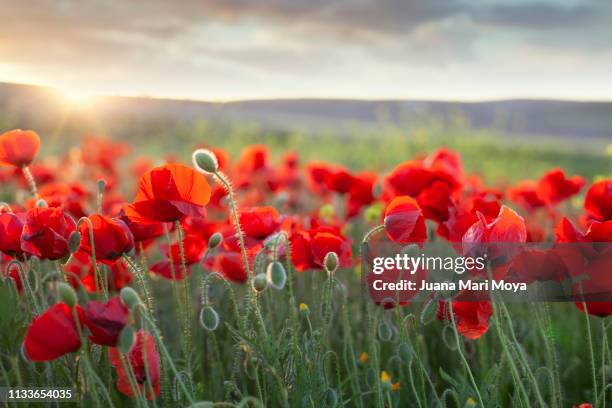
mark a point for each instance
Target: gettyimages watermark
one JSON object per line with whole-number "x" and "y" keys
{"x": 509, "y": 272}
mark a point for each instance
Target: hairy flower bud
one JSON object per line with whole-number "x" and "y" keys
{"x": 276, "y": 274}
{"x": 215, "y": 240}
{"x": 126, "y": 339}
{"x": 205, "y": 160}
{"x": 101, "y": 186}
{"x": 209, "y": 318}
{"x": 74, "y": 242}
{"x": 260, "y": 282}
{"x": 66, "y": 294}
{"x": 331, "y": 262}
{"x": 129, "y": 297}
{"x": 41, "y": 204}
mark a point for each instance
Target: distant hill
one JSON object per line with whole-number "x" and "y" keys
{"x": 40, "y": 108}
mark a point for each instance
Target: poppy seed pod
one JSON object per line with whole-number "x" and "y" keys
{"x": 129, "y": 297}
{"x": 205, "y": 160}
{"x": 126, "y": 339}
{"x": 260, "y": 282}
{"x": 74, "y": 242}
{"x": 209, "y": 318}
{"x": 66, "y": 294}
{"x": 331, "y": 262}
{"x": 215, "y": 240}
{"x": 276, "y": 274}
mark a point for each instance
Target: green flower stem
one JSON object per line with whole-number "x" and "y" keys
{"x": 463, "y": 359}
{"x": 186, "y": 310}
{"x": 167, "y": 356}
{"x": 31, "y": 182}
{"x": 99, "y": 281}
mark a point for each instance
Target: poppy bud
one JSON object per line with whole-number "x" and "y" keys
{"x": 215, "y": 240}
{"x": 384, "y": 331}
{"x": 276, "y": 274}
{"x": 205, "y": 160}
{"x": 126, "y": 339}
{"x": 260, "y": 282}
{"x": 429, "y": 312}
{"x": 331, "y": 262}
{"x": 74, "y": 241}
{"x": 129, "y": 297}
{"x": 405, "y": 352}
{"x": 209, "y": 318}
{"x": 41, "y": 204}
{"x": 101, "y": 186}
{"x": 66, "y": 294}
{"x": 331, "y": 398}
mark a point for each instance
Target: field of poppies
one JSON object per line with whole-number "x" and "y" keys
{"x": 234, "y": 277}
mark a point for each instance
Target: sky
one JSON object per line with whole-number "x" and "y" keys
{"x": 366, "y": 49}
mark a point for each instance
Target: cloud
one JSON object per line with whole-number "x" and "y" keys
{"x": 260, "y": 43}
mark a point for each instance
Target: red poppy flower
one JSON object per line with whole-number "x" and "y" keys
{"x": 143, "y": 231}
{"x": 317, "y": 174}
{"x": 72, "y": 197}
{"x": 554, "y": 187}
{"x": 339, "y": 180}
{"x": 168, "y": 193}
{"x": 361, "y": 193}
{"x": 435, "y": 201}
{"x": 308, "y": 248}
{"x": 506, "y": 228}
{"x": 253, "y": 158}
{"x": 526, "y": 195}
{"x": 46, "y": 232}
{"x": 471, "y": 317}
{"x": 259, "y": 222}
{"x": 52, "y": 334}
{"x": 105, "y": 321}
{"x": 598, "y": 201}
{"x": 462, "y": 216}
{"x": 172, "y": 267}
{"x": 404, "y": 222}
{"x": 81, "y": 269}
{"x": 229, "y": 264}
{"x": 144, "y": 346}
{"x": 18, "y": 147}
{"x": 11, "y": 227}
{"x": 112, "y": 238}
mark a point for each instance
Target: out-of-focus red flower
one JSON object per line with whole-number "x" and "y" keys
{"x": 583, "y": 405}
{"x": 143, "y": 231}
{"x": 172, "y": 267}
{"x": 46, "y": 232}
{"x": 168, "y": 193}
{"x": 471, "y": 317}
{"x": 52, "y": 334}
{"x": 71, "y": 197}
{"x": 11, "y": 228}
{"x": 554, "y": 187}
{"x": 80, "y": 269}
{"x": 105, "y": 320}
{"x": 412, "y": 177}
{"x": 18, "y": 147}
{"x": 598, "y": 201}
{"x": 316, "y": 175}
{"x": 525, "y": 194}
{"x": 339, "y": 180}
{"x": 253, "y": 158}
{"x": 308, "y": 248}
{"x": 362, "y": 192}
{"x": 436, "y": 201}
{"x": 229, "y": 264}
{"x": 144, "y": 347}
{"x": 259, "y": 222}
{"x": 102, "y": 152}
{"x": 112, "y": 238}
{"x": 404, "y": 221}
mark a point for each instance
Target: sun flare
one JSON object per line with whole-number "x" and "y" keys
{"x": 76, "y": 96}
